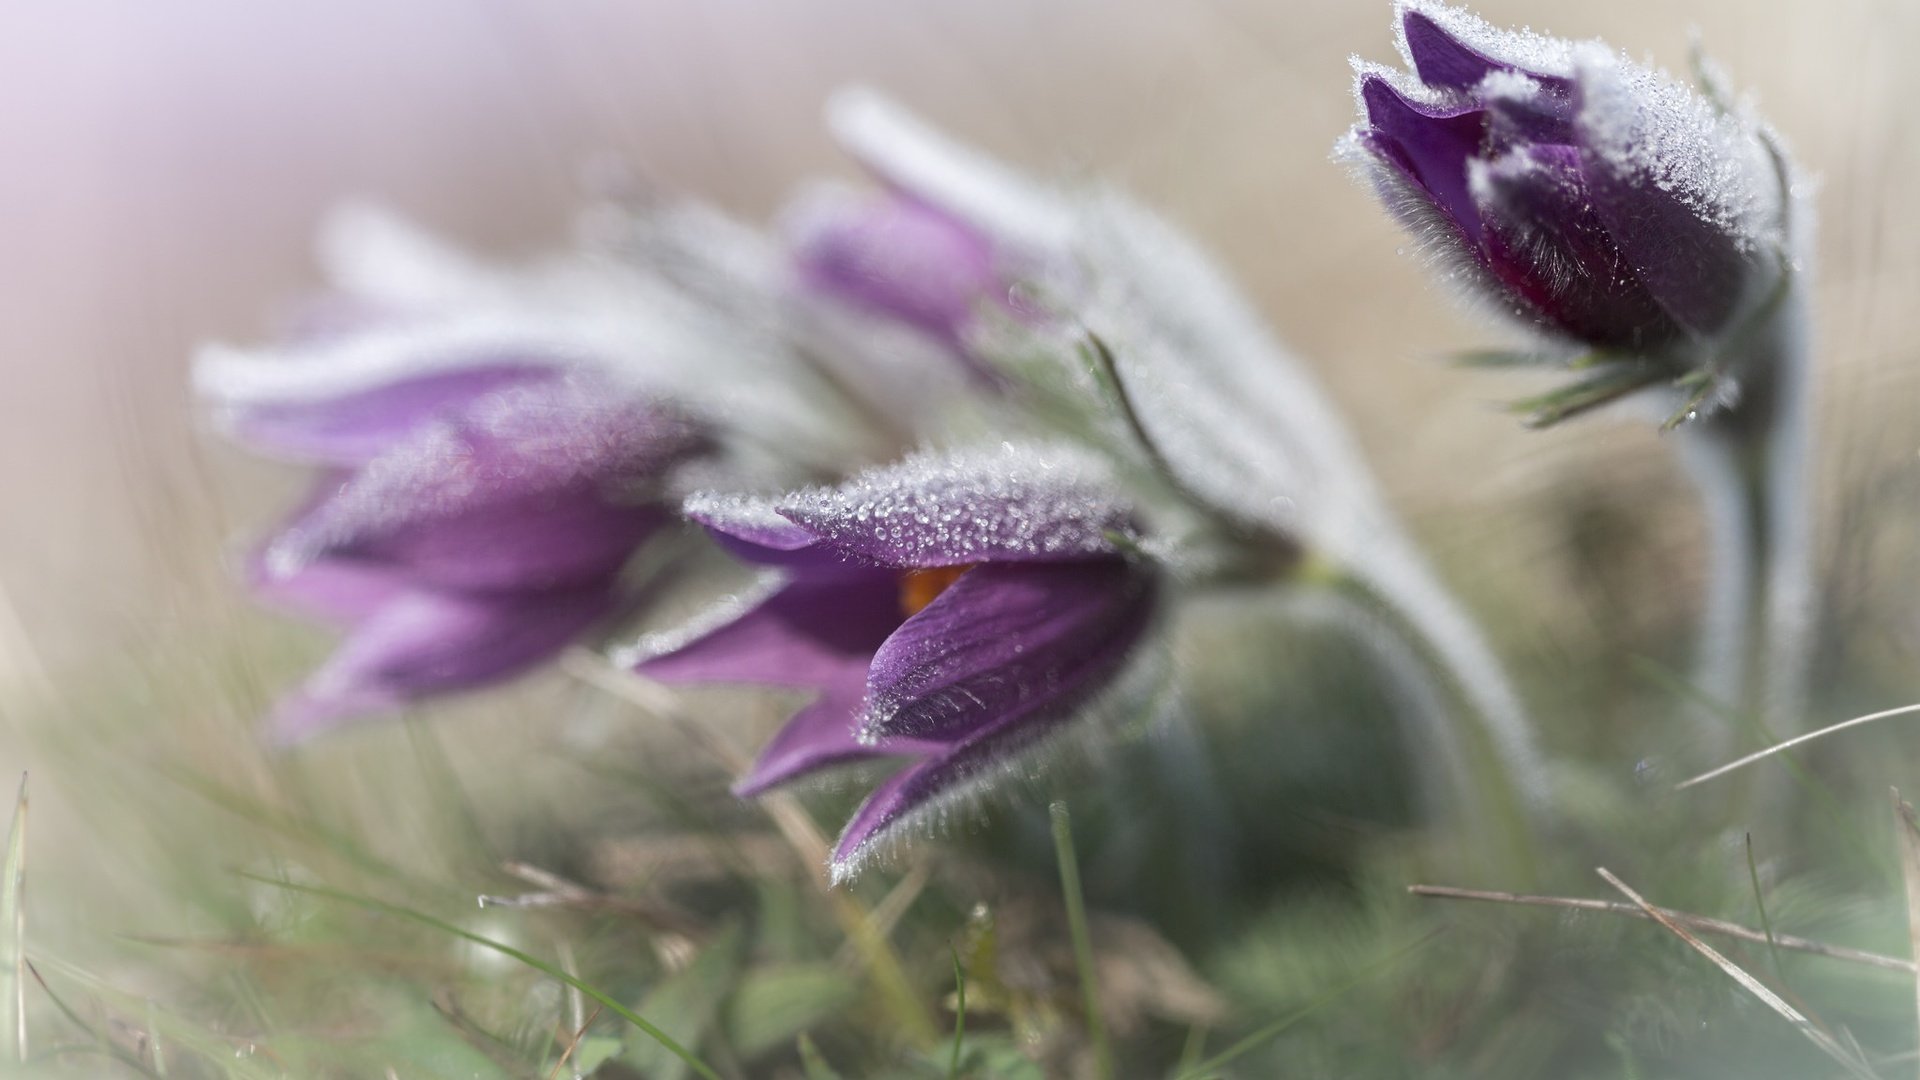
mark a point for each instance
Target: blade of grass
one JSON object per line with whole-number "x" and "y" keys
{"x": 1082, "y": 940}
{"x": 550, "y": 970}
{"x": 1766, "y": 925}
{"x": 959, "y": 1015}
{"x": 13, "y": 911}
{"x": 1359, "y": 978}
{"x": 1910, "y": 869}
{"x": 1696, "y": 922}
{"x": 1797, "y": 740}
{"x": 1826, "y": 1043}
{"x": 102, "y": 1042}
{"x": 796, "y": 826}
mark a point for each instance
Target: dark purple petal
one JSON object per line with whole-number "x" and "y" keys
{"x": 421, "y": 642}
{"x": 1010, "y": 503}
{"x": 821, "y": 736}
{"x": 1697, "y": 269}
{"x": 1442, "y": 60}
{"x": 1545, "y": 242}
{"x": 1429, "y": 144}
{"x": 900, "y": 258}
{"x": 809, "y": 633}
{"x": 353, "y": 428}
{"x": 1007, "y": 643}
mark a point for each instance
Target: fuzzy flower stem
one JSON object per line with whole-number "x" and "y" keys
{"x": 1751, "y": 467}
{"x": 1511, "y": 781}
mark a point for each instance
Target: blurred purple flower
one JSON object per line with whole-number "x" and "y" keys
{"x": 896, "y": 257}
{"x": 1600, "y": 201}
{"x": 469, "y": 524}
{"x": 953, "y": 610}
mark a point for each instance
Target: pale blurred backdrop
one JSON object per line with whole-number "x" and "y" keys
{"x": 165, "y": 165}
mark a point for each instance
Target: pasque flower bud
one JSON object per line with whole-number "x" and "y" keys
{"x": 1601, "y": 202}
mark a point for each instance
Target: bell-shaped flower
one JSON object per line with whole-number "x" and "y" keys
{"x": 955, "y": 610}
{"x": 468, "y": 524}
{"x": 1597, "y": 200}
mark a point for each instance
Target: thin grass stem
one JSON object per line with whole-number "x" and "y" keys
{"x": 1082, "y": 939}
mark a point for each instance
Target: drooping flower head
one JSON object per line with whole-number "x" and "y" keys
{"x": 952, "y": 609}
{"x": 477, "y": 499}
{"x": 1601, "y": 202}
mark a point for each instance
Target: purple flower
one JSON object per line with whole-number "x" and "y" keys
{"x": 896, "y": 257}
{"x": 469, "y": 523}
{"x": 1601, "y": 202}
{"x": 953, "y": 610}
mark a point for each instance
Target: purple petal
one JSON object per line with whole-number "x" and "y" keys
{"x": 897, "y": 257}
{"x": 1026, "y": 504}
{"x": 809, "y": 633}
{"x": 355, "y": 427}
{"x": 1004, "y": 644}
{"x": 1697, "y": 269}
{"x": 1429, "y": 144}
{"x": 754, "y": 531}
{"x": 1439, "y": 58}
{"x": 1545, "y": 242}
{"x": 821, "y": 736}
{"x": 336, "y": 591}
{"x": 539, "y": 487}
{"x": 420, "y": 643}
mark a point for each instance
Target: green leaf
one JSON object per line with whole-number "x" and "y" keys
{"x": 1611, "y": 383}
{"x": 689, "y": 1002}
{"x": 774, "y": 1004}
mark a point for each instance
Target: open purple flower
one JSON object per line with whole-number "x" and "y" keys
{"x": 1602, "y": 202}
{"x": 469, "y": 523}
{"x": 953, "y": 610}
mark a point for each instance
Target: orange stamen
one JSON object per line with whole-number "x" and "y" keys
{"x": 918, "y": 588}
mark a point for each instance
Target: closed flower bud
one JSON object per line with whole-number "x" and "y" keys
{"x": 1601, "y": 202}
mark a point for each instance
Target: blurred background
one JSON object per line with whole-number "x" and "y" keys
{"x": 165, "y": 166}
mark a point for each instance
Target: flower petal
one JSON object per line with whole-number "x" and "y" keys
{"x": 1687, "y": 195}
{"x": 1007, "y": 643}
{"x": 1024, "y": 503}
{"x": 897, "y": 257}
{"x": 1545, "y": 242}
{"x": 1430, "y": 144}
{"x": 821, "y": 736}
{"x": 355, "y": 427}
{"x": 422, "y": 642}
{"x": 539, "y": 487}
{"x": 808, "y": 633}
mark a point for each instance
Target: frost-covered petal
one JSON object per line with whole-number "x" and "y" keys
{"x": 1688, "y": 195}
{"x": 1007, "y": 642}
{"x": 754, "y": 530}
{"x": 1545, "y": 242}
{"x": 894, "y": 256}
{"x": 422, "y": 642}
{"x": 1429, "y": 143}
{"x": 542, "y": 486}
{"x": 1451, "y": 48}
{"x": 354, "y": 427}
{"x": 1024, "y": 503}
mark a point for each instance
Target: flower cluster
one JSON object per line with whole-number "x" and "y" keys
{"x": 977, "y": 434}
